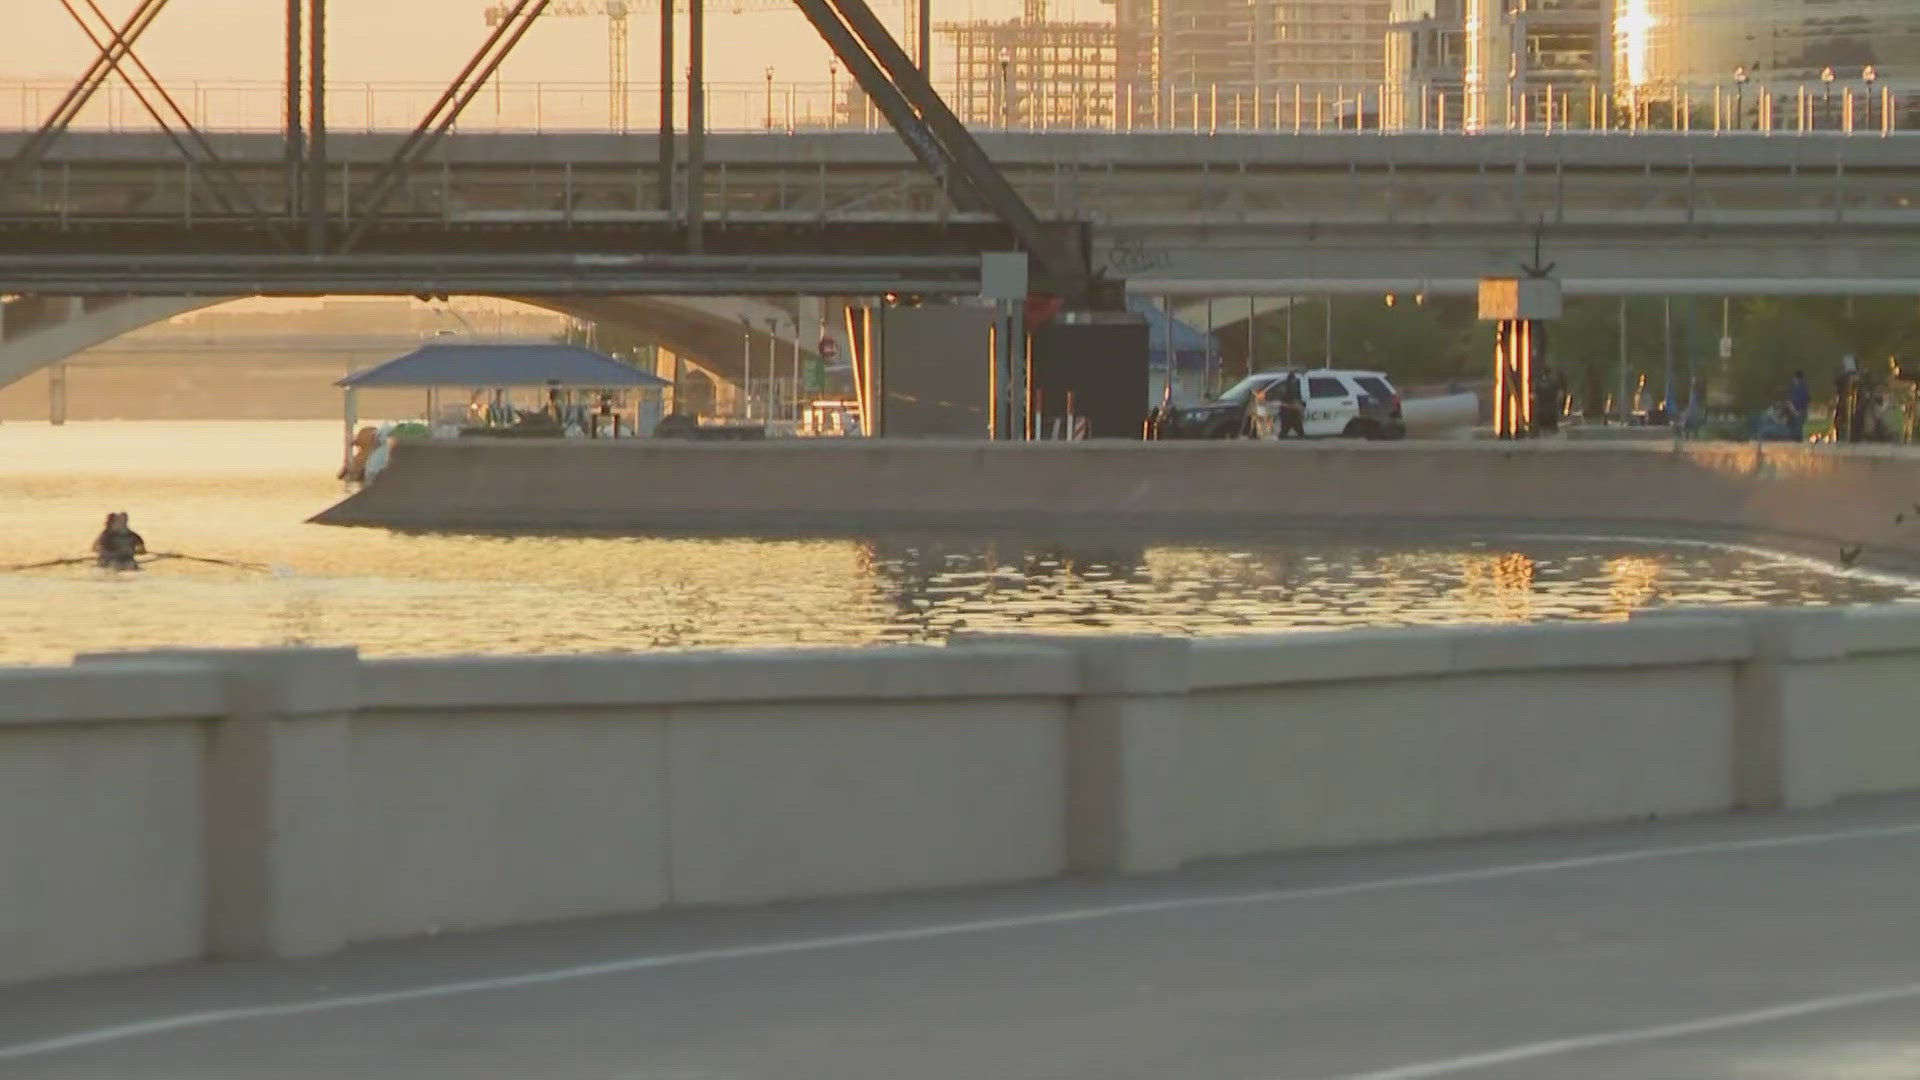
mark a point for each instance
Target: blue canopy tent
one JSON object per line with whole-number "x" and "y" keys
{"x": 496, "y": 367}
{"x": 504, "y": 366}
{"x": 1175, "y": 350}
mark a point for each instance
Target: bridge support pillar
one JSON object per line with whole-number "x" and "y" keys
{"x": 1009, "y": 373}
{"x": 1514, "y": 364}
{"x": 57, "y": 394}
{"x": 1520, "y": 308}
{"x": 1004, "y": 282}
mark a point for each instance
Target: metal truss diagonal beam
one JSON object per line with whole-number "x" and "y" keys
{"x": 81, "y": 92}
{"x": 223, "y": 186}
{"x": 1066, "y": 269}
{"x": 887, "y": 98}
{"x": 441, "y": 118}
{"x": 140, "y": 95}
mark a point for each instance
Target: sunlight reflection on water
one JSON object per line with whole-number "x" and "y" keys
{"x": 243, "y": 490}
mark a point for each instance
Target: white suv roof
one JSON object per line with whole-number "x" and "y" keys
{"x": 1305, "y": 372}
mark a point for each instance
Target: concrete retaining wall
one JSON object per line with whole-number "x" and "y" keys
{"x": 1815, "y": 500}
{"x": 289, "y": 802}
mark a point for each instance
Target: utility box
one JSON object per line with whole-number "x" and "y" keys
{"x": 930, "y": 373}
{"x": 1508, "y": 299}
{"x": 1100, "y": 362}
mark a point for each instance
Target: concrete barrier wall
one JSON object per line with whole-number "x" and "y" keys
{"x": 480, "y": 817}
{"x": 1332, "y": 739}
{"x": 1875, "y": 707}
{"x": 502, "y": 791}
{"x": 101, "y": 859}
{"x": 290, "y": 802}
{"x": 1814, "y": 500}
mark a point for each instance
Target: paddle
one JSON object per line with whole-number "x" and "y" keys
{"x": 154, "y": 557}
{"x": 262, "y": 567}
{"x": 50, "y": 562}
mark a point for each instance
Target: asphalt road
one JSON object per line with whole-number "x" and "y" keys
{"x": 1753, "y": 947}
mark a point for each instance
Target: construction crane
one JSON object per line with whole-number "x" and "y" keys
{"x": 616, "y": 11}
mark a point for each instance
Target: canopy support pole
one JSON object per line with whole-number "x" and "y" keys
{"x": 351, "y": 408}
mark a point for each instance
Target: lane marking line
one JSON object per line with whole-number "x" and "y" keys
{"x": 162, "y": 1025}
{"x": 1703, "y": 1026}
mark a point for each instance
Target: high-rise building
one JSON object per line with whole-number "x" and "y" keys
{"x": 1206, "y": 50}
{"x": 1226, "y": 62}
{"x": 1499, "y": 63}
{"x": 1493, "y": 63}
{"x": 1426, "y": 62}
{"x": 1330, "y": 50}
{"x": 1035, "y": 72}
{"x": 1669, "y": 44}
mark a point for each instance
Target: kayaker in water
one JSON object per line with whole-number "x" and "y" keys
{"x": 117, "y": 546}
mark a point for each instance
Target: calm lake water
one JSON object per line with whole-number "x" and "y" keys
{"x": 243, "y": 490}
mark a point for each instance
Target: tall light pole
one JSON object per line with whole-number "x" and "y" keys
{"x": 769, "y": 97}
{"x": 796, "y": 362}
{"x": 1826, "y": 93}
{"x": 771, "y": 399}
{"x": 833, "y": 92}
{"x": 1870, "y": 76}
{"x": 1327, "y": 359}
{"x": 1666, "y": 330}
{"x": 1625, "y": 408}
{"x": 1739, "y": 96}
{"x": 746, "y": 367}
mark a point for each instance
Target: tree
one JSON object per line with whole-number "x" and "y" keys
{"x": 1413, "y": 342}
{"x": 612, "y": 339}
{"x": 1773, "y": 338}
{"x": 1442, "y": 341}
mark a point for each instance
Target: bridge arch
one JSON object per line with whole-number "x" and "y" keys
{"x": 708, "y": 330}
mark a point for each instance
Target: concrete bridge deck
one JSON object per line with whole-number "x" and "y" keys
{"x": 1760, "y": 946}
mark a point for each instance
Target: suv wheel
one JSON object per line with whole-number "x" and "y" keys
{"x": 1361, "y": 428}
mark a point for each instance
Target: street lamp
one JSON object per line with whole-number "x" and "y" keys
{"x": 1870, "y": 76}
{"x": 833, "y": 92}
{"x": 769, "y": 97}
{"x": 1826, "y": 95}
{"x": 1739, "y": 95}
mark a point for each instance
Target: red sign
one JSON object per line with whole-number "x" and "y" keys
{"x": 829, "y": 348}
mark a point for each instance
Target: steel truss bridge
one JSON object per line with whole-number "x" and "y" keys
{"x": 299, "y": 221}
{"x": 856, "y": 214}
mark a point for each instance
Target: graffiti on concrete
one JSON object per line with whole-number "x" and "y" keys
{"x": 1132, "y": 256}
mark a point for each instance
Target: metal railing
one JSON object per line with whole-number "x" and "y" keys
{"x": 563, "y": 107}
{"x": 1662, "y": 182}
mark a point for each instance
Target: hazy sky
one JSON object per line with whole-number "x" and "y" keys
{"x": 428, "y": 40}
